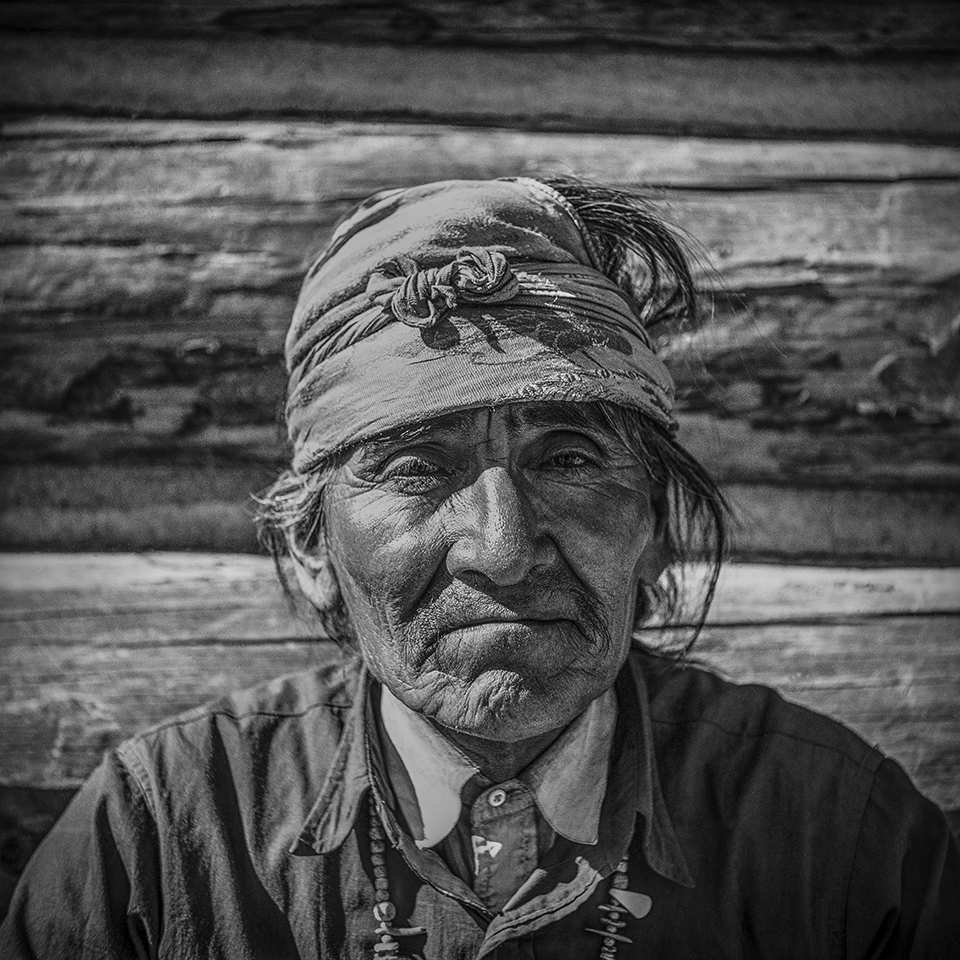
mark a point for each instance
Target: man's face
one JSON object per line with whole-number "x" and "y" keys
{"x": 490, "y": 561}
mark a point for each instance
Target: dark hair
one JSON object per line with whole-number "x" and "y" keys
{"x": 650, "y": 262}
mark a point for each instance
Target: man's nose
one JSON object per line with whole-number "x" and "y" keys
{"x": 497, "y": 531}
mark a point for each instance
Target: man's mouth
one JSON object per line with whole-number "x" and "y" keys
{"x": 497, "y": 626}
{"x": 506, "y": 619}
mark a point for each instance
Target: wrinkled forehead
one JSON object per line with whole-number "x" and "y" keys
{"x": 475, "y": 423}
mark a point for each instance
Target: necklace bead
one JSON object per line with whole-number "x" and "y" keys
{"x": 385, "y": 911}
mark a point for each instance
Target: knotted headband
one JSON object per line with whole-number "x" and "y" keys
{"x": 419, "y": 298}
{"x": 454, "y": 295}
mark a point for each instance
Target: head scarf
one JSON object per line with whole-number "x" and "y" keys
{"x": 455, "y": 295}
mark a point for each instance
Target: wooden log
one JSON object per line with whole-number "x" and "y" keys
{"x": 291, "y": 161}
{"x": 773, "y": 215}
{"x": 825, "y": 455}
{"x": 42, "y": 594}
{"x": 893, "y": 679}
{"x": 776, "y": 521}
{"x": 183, "y": 258}
{"x": 136, "y": 507}
{"x": 852, "y": 28}
{"x": 593, "y": 88}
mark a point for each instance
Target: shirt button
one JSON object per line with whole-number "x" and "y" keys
{"x": 497, "y": 798}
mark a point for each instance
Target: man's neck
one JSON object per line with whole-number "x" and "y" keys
{"x": 499, "y": 761}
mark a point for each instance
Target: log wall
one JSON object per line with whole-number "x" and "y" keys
{"x": 150, "y": 268}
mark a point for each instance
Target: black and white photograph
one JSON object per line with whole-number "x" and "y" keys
{"x": 480, "y": 481}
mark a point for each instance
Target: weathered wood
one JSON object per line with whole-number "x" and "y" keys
{"x": 196, "y": 200}
{"x": 829, "y": 235}
{"x": 827, "y": 525}
{"x": 850, "y": 28}
{"x": 660, "y": 91}
{"x": 893, "y": 679}
{"x": 137, "y": 507}
{"x": 124, "y": 506}
{"x": 44, "y": 596}
{"x": 295, "y": 161}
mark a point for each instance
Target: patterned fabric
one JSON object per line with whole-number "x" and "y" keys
{"x": 455, "y": 295}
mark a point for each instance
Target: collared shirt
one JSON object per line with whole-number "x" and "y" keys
{"x": 493, "y": 838}
{"x": 756, "y": 829}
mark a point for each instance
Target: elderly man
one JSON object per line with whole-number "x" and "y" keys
{"x": 485, "y": 503}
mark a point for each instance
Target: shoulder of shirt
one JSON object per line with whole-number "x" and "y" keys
{"x": 326, "y": 690}
{"x": 685, "y": 696}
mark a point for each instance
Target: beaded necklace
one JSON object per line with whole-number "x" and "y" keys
{"x": 621, "y": 901}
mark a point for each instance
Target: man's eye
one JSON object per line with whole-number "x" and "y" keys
{"x": 571, "y": 460}
{"x": 412, "y": 468}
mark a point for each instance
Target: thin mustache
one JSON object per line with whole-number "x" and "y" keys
{"x": 458, "y": 604}
{"x": 502, "y": 616}
{"x": 546, "y": 602}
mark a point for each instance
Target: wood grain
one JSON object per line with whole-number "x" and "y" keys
{"x": 593, "y": 88}
{"x": 852, "y": 28}
{"x": 812, "y": 524}
{"x": 42, "y": 593}
{"x": 192, "y": 243}
{"x": 256, "y": 156}
{"x": 892, "y": 679}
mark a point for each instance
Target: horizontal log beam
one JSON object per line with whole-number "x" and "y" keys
{"x": 851, "y": 28}
{"x": 279, "y": 159}
{"x": 650, "y": 91}
{"x": 882, "y": 454}
{"x": 42, "y": 593}
{"x": 892, "y": 679}
{"x": 132, "y": 507}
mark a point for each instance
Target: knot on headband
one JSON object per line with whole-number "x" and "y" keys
{"x": 420, "y": 298}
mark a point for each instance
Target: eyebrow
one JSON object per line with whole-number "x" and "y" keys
{"x": 447, "y": 423}
{"x": 561, "y": 414}
{"x": 547, "y": 414}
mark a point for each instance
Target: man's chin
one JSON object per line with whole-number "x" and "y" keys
{"x": 508, "y": 705}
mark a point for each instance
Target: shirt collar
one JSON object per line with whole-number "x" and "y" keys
{"x": 633, "y": 785}
{"x": 568, "y": 781}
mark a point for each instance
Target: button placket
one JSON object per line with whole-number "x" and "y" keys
{"x": 504, "y": 837}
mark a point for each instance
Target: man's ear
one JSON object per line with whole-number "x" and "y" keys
{"x": 656, "y": 554}
{"x": 314, "y": 573}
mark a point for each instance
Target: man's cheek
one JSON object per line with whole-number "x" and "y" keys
{"x": 373, "y": 552}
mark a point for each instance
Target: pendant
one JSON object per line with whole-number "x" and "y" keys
{"x": 621, "y": 901}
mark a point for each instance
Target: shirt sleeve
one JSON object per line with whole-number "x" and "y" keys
{"x": 904, "y": 898}
{"x": 91, "y": 888}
